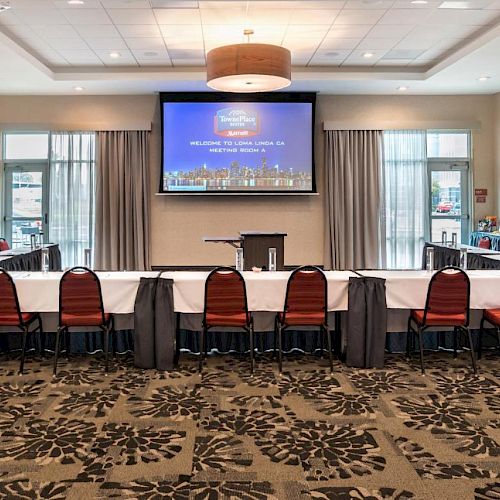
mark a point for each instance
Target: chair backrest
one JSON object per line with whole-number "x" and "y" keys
{"x": 225, "y": 292}
{"x": 448, "y": 293}
{"x": 80, "y": 293}
{"x": 4, "y": 245}
{"x": 9, "y": 303}
{"x": 306, "y": 291}
{"x": 484, "y": 242}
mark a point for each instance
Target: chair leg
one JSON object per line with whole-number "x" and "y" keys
{"x": 41, "y": 334}
{"x": 23, "y": 353}
{"x": 455, "y": 342}
{"x": 280, "y": 348}
{"x": 329, "y": 342}
{"x": 321, "y": 342}
{"x": 67, "y": 342}
{"x": 480, "y": 339}
{"x": 56, "y": 349}
{"x": 275, "y": 335}
{"x": 409, "y": 333}
{"x": 471, "y": 346}
{"x": 106, "y": 349}
{"x": 251, "y": 350}
{"x": 202, "y": 349}
{"x": 421, "y": 346}
{"x": 498, "y": 337}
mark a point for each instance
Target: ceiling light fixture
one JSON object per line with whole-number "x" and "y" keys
{"x": 484, "y": 78}
{"x": 402, "y": 88}
{"x": 367, "y": 55}
{"x": 76, "y": 2}
{"x": 419, "y": 2}
{"x": 114, "y": 55}
{"x": 249, "y": 67}
{"x": 4, "y": 6}
{"x": 78, "y": 89}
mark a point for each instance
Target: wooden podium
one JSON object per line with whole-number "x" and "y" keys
{"x": 256, "y": 247}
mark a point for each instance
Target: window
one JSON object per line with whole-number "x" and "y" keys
{"x": 426, "y": 178}
{"x": 50, "y": 190}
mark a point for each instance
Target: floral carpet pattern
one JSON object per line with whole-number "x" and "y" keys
{"x": 387, "y": 434}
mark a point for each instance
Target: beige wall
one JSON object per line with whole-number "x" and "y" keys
{"x": 179, "y": 223}
{"x": 497, "y": 150}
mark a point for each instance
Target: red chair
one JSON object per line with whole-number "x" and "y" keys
{"x": 484, "y": 243}
{"x": 4, "y": 245}
{"x": 225, "y": 305}
{"x": 306, "y": 304}
{"x": 492, "y": 316}
{"x": 11, "y": 315}
{"x": 80, "y": 304}
{"x": 447, "y": 304}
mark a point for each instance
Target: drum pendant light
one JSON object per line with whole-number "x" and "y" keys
{"x": 248, "y": 67}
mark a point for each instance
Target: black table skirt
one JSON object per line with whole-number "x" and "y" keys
{"x": 444, "y": 256}
{"x": 32, "y": 261}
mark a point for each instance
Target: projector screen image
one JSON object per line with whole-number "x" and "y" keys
{"x": 223, "y": 147}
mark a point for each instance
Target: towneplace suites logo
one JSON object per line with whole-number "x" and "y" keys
{"x": 230, "y": 122}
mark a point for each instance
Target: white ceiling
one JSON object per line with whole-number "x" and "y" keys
{"x": 162, "y": 44}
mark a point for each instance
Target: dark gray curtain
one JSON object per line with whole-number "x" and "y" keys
{"x": 352, "y": 176}
{"x": 122, "y": 201}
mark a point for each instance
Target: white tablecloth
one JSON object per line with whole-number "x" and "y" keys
{"x": 408, "y": 289}
{"x": 39, "y": 292}
{"x": 265, "y": 290}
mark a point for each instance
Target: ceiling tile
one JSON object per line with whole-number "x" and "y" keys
{"x": 68, "y": 43}
{"x": 216, "y": 31}
{"x": 21, "y": 31}
{"x": 390, "y": 30}
{"x": 160, "y": 61}
{"x": 191, "y": 30}
{"x": 378, "y": 43}
{"x": 154, "y": 44}
{"x": 132, "y": 16}
{"x": 176, "y": 53}
{"x": 139, "y": 30}
{"x": 398, "y": 53}
{"x": 357, "y": 16}
{"x": 307, "y": 31}
{"x": 223, "y": 15}
{"x": 57, "y": 31}
{"x": 301, "y": 43}
{"x": 174, "y": 4}
{"x": 142, "y": 55}
{"x": 9, "y": 18}
{"x": 340, "y": 43}
{"x": 458, "y": 16}
{"x": 126, "y": 4}
{"x": 86, "y": 16}
{"x": 405, "y": 16}
{"x": 80, "y": 57}
{"x": 313, "y": 16}
{"x": 356, "y": 58}
{"x": 177, "y": 16}
{"x": 188, "y": 62}
{"x": 40, "y": 16}
{"x": 97, "y": 30}
{"x": 393, "y": 62}
{"x": 368, "y": 4}
{"x": 411, "y": 42}
{"x": 110, "y": 44}
{"x": 275, "y": 31}
{"x": 353, "y": 31}
{"x": 258, "y": 15}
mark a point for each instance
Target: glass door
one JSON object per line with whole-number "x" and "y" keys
{"x": 449, "y": 184}
{"x": 26, "y": 202}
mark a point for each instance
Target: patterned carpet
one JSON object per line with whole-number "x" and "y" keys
{"x": 360, "y": 434}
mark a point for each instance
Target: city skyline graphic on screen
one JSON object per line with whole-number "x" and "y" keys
{"x": 237, "y": 146}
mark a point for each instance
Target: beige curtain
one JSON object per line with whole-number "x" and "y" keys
{"x": 122, "y": 201}
{"x": 352, "y": 175}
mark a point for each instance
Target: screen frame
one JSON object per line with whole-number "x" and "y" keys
{"x": 272, "y": 97}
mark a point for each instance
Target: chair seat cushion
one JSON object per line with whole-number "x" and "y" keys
{"x": 68, "y": 319}
{"x": 493, "y": 316}
{"x": 239, "y": 319}
{"x": 13, "y": 319}
{"x": 433, "y": 319}
{"x": 302, "y": 318}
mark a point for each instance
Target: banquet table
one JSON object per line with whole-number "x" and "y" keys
{"x": 265, "y": 290}
{"x": 477, "y": 258}
{"x": 39, "y": 292}
{"x": 408, "y": 289}
{"x": 25, "y": 259}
